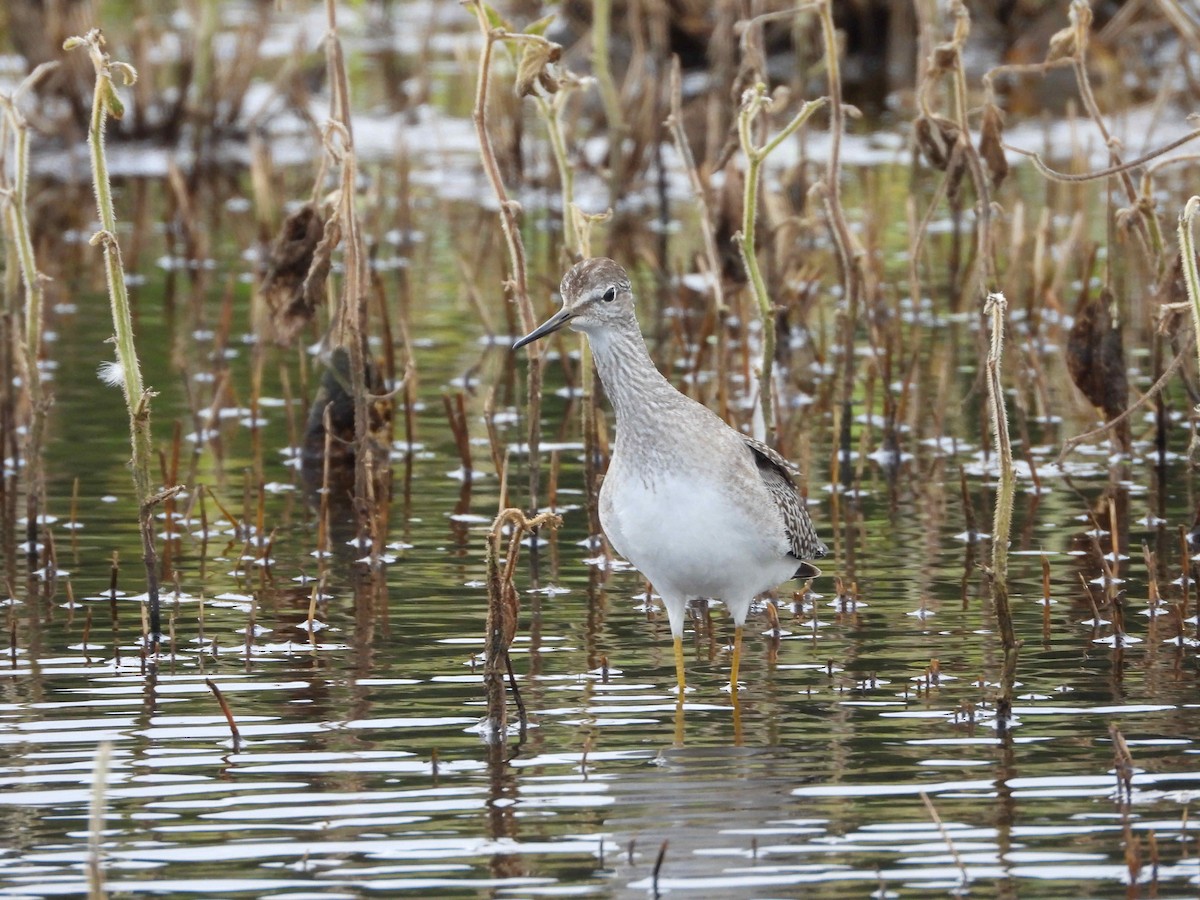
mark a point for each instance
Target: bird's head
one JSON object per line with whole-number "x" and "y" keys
{"x": 596, "y": 295}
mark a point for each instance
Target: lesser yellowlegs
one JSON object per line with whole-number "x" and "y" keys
{"x": 699, "y": 508}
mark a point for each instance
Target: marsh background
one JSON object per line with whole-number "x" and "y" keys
{"x": 867, "y": 757}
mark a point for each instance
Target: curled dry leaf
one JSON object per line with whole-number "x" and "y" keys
{"x": 1062, "y": 45}
{"x": 295, "y": 273}
{"x": 1096, "y": 357}
{"x": 537, "y": 68}
{"x": 991, "y": 143}
{"x": 938, "y": 139}
{"x": 113, "y": 104}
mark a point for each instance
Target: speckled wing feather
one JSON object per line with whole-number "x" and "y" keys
{"x": 776, "y": 474}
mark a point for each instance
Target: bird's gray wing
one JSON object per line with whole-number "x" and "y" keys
{"x": 776, "y": 473}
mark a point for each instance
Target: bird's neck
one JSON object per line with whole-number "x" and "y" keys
{"x": 631, "y": 381}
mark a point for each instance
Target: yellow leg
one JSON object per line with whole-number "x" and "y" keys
{"x": 737, "y": 659}
{"x": 679, "y": 721}
{"x": 679, "y": 673}
{"x": 737, "y": 720}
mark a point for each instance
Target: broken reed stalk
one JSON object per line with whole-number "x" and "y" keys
{"x": 491, "y": 28}
{"x": 954, "y": 854}
{"x": 456, "y": 414}
{"x": 127, "y": 370}
{"x": 17, "y": 227}
{"x": 658, "y": 864}
{"x": 754, "y": 101}
{"x": 1191, "y": 278}
{"x": 221, "y": 701}
{"x": 96, "y": 805}
{"x": 504, "y": 606}
{"x": 1123, "y": 766}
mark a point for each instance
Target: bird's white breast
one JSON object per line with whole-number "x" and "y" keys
{"x": 692, "y": 537}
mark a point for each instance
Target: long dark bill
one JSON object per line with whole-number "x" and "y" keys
{"x": 552, "y": 324}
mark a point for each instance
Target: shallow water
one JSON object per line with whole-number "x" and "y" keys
{"x": 864, "y": 757}
{"x": 362, "y": 768}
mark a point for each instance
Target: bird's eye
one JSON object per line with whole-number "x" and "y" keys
{"x": 611, "y": 294}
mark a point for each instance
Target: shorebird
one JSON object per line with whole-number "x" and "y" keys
{"x": 697, "y": 507}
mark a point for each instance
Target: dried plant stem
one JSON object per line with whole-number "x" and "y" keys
{"x": 755, "y": 101}
{"x": 850, "y": 253}
{"x": 984, "y": 261}
{"x": 707, "y": 230}
{"x": 503, "y": 610}
{"x": 518, "y": 284}
{"x": 224, "y": 704}
{"x": 95, "y": 871}
{"x": 17, "y": 221}
{"x": 937, "y": 821}
{"x": 601, "y": 31}
{"x": 106, "y": 102}
{"x": 1191, "y": 278}
{"x": 995, "y": 307}
{"x": 848, "y": 249}
{"x": 699, "y": 190}
{"x": 491, "y": 168}
{"x": 1081, "y": 20}
{"x": 658, "y": 864}
{"x": 353, "y": 308}
{"x": 1080, "y": 177}
{"x": 551, "y": 113}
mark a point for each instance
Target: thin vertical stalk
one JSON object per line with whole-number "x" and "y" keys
{"x": 353, "y": 309}
{"x": 849, "y": 252}
{"x": 601, "y": 31}
{"x": 551, "y": 113}
{"x": 995, "y": 307}
{"x": 18, "y": 227}
{"x": 504, "y": 607}
{"x": 518, "y": 285}
{"x": 984, "y": 262}
{"x": 95, "y": 869}
{"x": 1191, "y": 278}
{"x": 1081, "y": 21}
{"x": 707, "y": 231}
{"x": 106, "y": 102}
{"x": 753, "y": 102}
